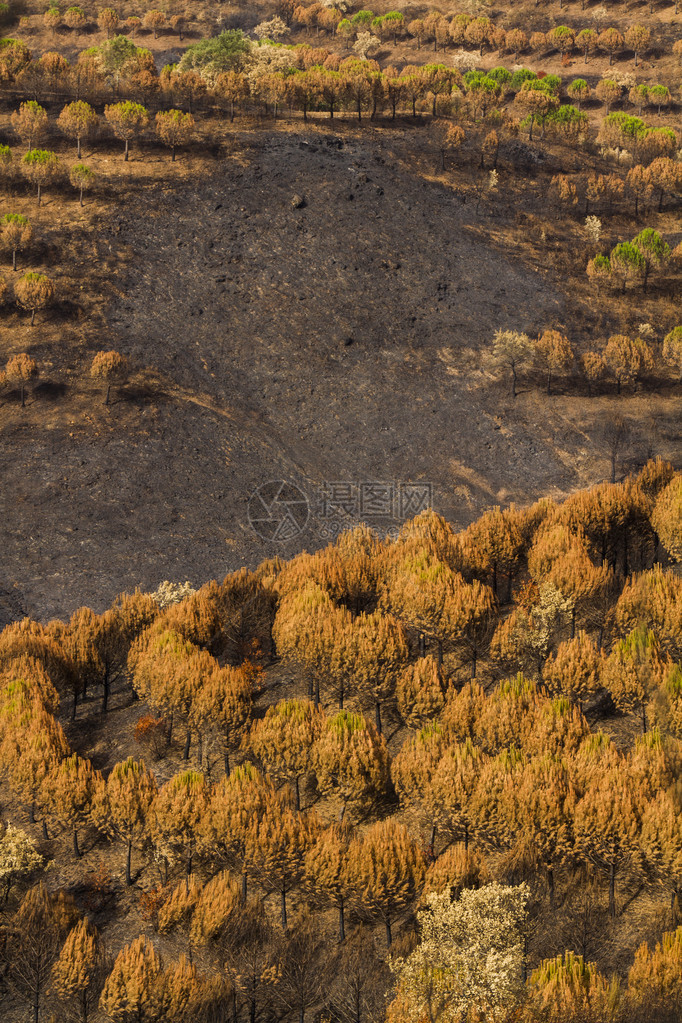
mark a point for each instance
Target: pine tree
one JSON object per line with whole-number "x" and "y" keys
{"x": 351, "y": 760}
{"x": 380, "y": 651}
{"x": 326, "y": 870}
{"x": 124, "y": 805}
{"x": 462, "y": 712}
{"x": 413, "y": 771}
{"x": 607, "y": 827}
{"x": 237, "y": 804}
{"x": 32, "y": 945}
{"x": 420, "y": 692}
{"x": 221, "y": 709}
{"x": 212, "y": 909}
{"x": 70, "y": 789}
{"x": 667, "y": 515}
{"x": 283, "y": 740}
{"x": 34, "y": 744}
{"x": 449, "y": 797}
{"x": 540, "y": 814}
{"x": 575, "y": 670}
{"x": 633, "y": 672}
{"x": 177, "y": 817}
{"x": 178, "y": 909}
{"x": 188, "y": 995}
{"x": 573, "y": 991}
{"x": 653, "y": 600}
{"x": 455, "y": 869}
{"x": 281, "y": 842}
{"x": 662, "y": 844}
{"x": 655, "y": 979}
{"x": 133, "y": 992}
{"x": 386, "y": 871}
{"x": 494, "y": 545}
{"x": 78, "y": 975}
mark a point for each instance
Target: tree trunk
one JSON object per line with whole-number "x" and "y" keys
{"x": 378, "y": 716}
{"x": 389, "y": 937}
{"x": 284, "y": 909}
{"x": 342, "y": 922}
{"x": 297, "y": 794}
{"x": 125, "y": 156}
{"x": 32, "y": 812}
{"x": 244, "y": 886}
{"x": 106, "y": 400}
{"x": 550, "y": 885}
{"x": 45, "y": 834}
{"x": 474, "y": 659}
{"x": 33, "y": 316}
{"x": 226, "y": 763}
{"x": 23, "y": 403}
{"x": 612, "y": 891}
{"x": 513, "y": 369}
{"x": 173, "y": 152}
{"x": 14, "y": 259}
{"x": 188, "y": 741}
{"x": 105, "y": 694}
{"x": 129, "y": 856}
{"x": 76, "y": 850}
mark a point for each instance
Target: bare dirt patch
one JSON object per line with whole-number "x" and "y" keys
{"x": 337, "y": 340}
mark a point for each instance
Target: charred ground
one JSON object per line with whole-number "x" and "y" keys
{"x": 339, "y": 337}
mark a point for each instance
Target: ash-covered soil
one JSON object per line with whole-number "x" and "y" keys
{"x": 340, "y": 339}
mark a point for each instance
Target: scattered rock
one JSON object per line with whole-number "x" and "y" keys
{"x": 297, "y": 201}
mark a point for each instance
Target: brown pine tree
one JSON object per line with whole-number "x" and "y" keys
{"x": 575, "y": 670}
{"x": 280, "y": 844}
{"x": 221, "y": 709}
{"x": 606, "y": 823}
{"x": 326, "y": 870}
{"x": 633, "y": 672}
{"x": 133, "y": 992}
{"x": 283, "y": 739}
{"x": 420, "y": 692}
{"x": 32, "y": 943}
{"x": 178, "y": 815}
{"x": 70, "y": 789}
{"x": 387, "y": 872}
{"x": 237, "y": 805}
{"x": 78, "y": 975}
{"x": 351, "y": 760}
{"x": 123, "y": 806}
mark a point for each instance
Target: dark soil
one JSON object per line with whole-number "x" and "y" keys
{"x": 340, "y": 339}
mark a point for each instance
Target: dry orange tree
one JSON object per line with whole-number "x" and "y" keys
{"x": 110, "y": 367}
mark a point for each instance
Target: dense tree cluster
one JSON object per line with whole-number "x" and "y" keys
{"x": 494, "y": 653}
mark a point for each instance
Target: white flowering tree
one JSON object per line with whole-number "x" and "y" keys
{"x": 469, "y": 963}
{"x": 19, "y": 859}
